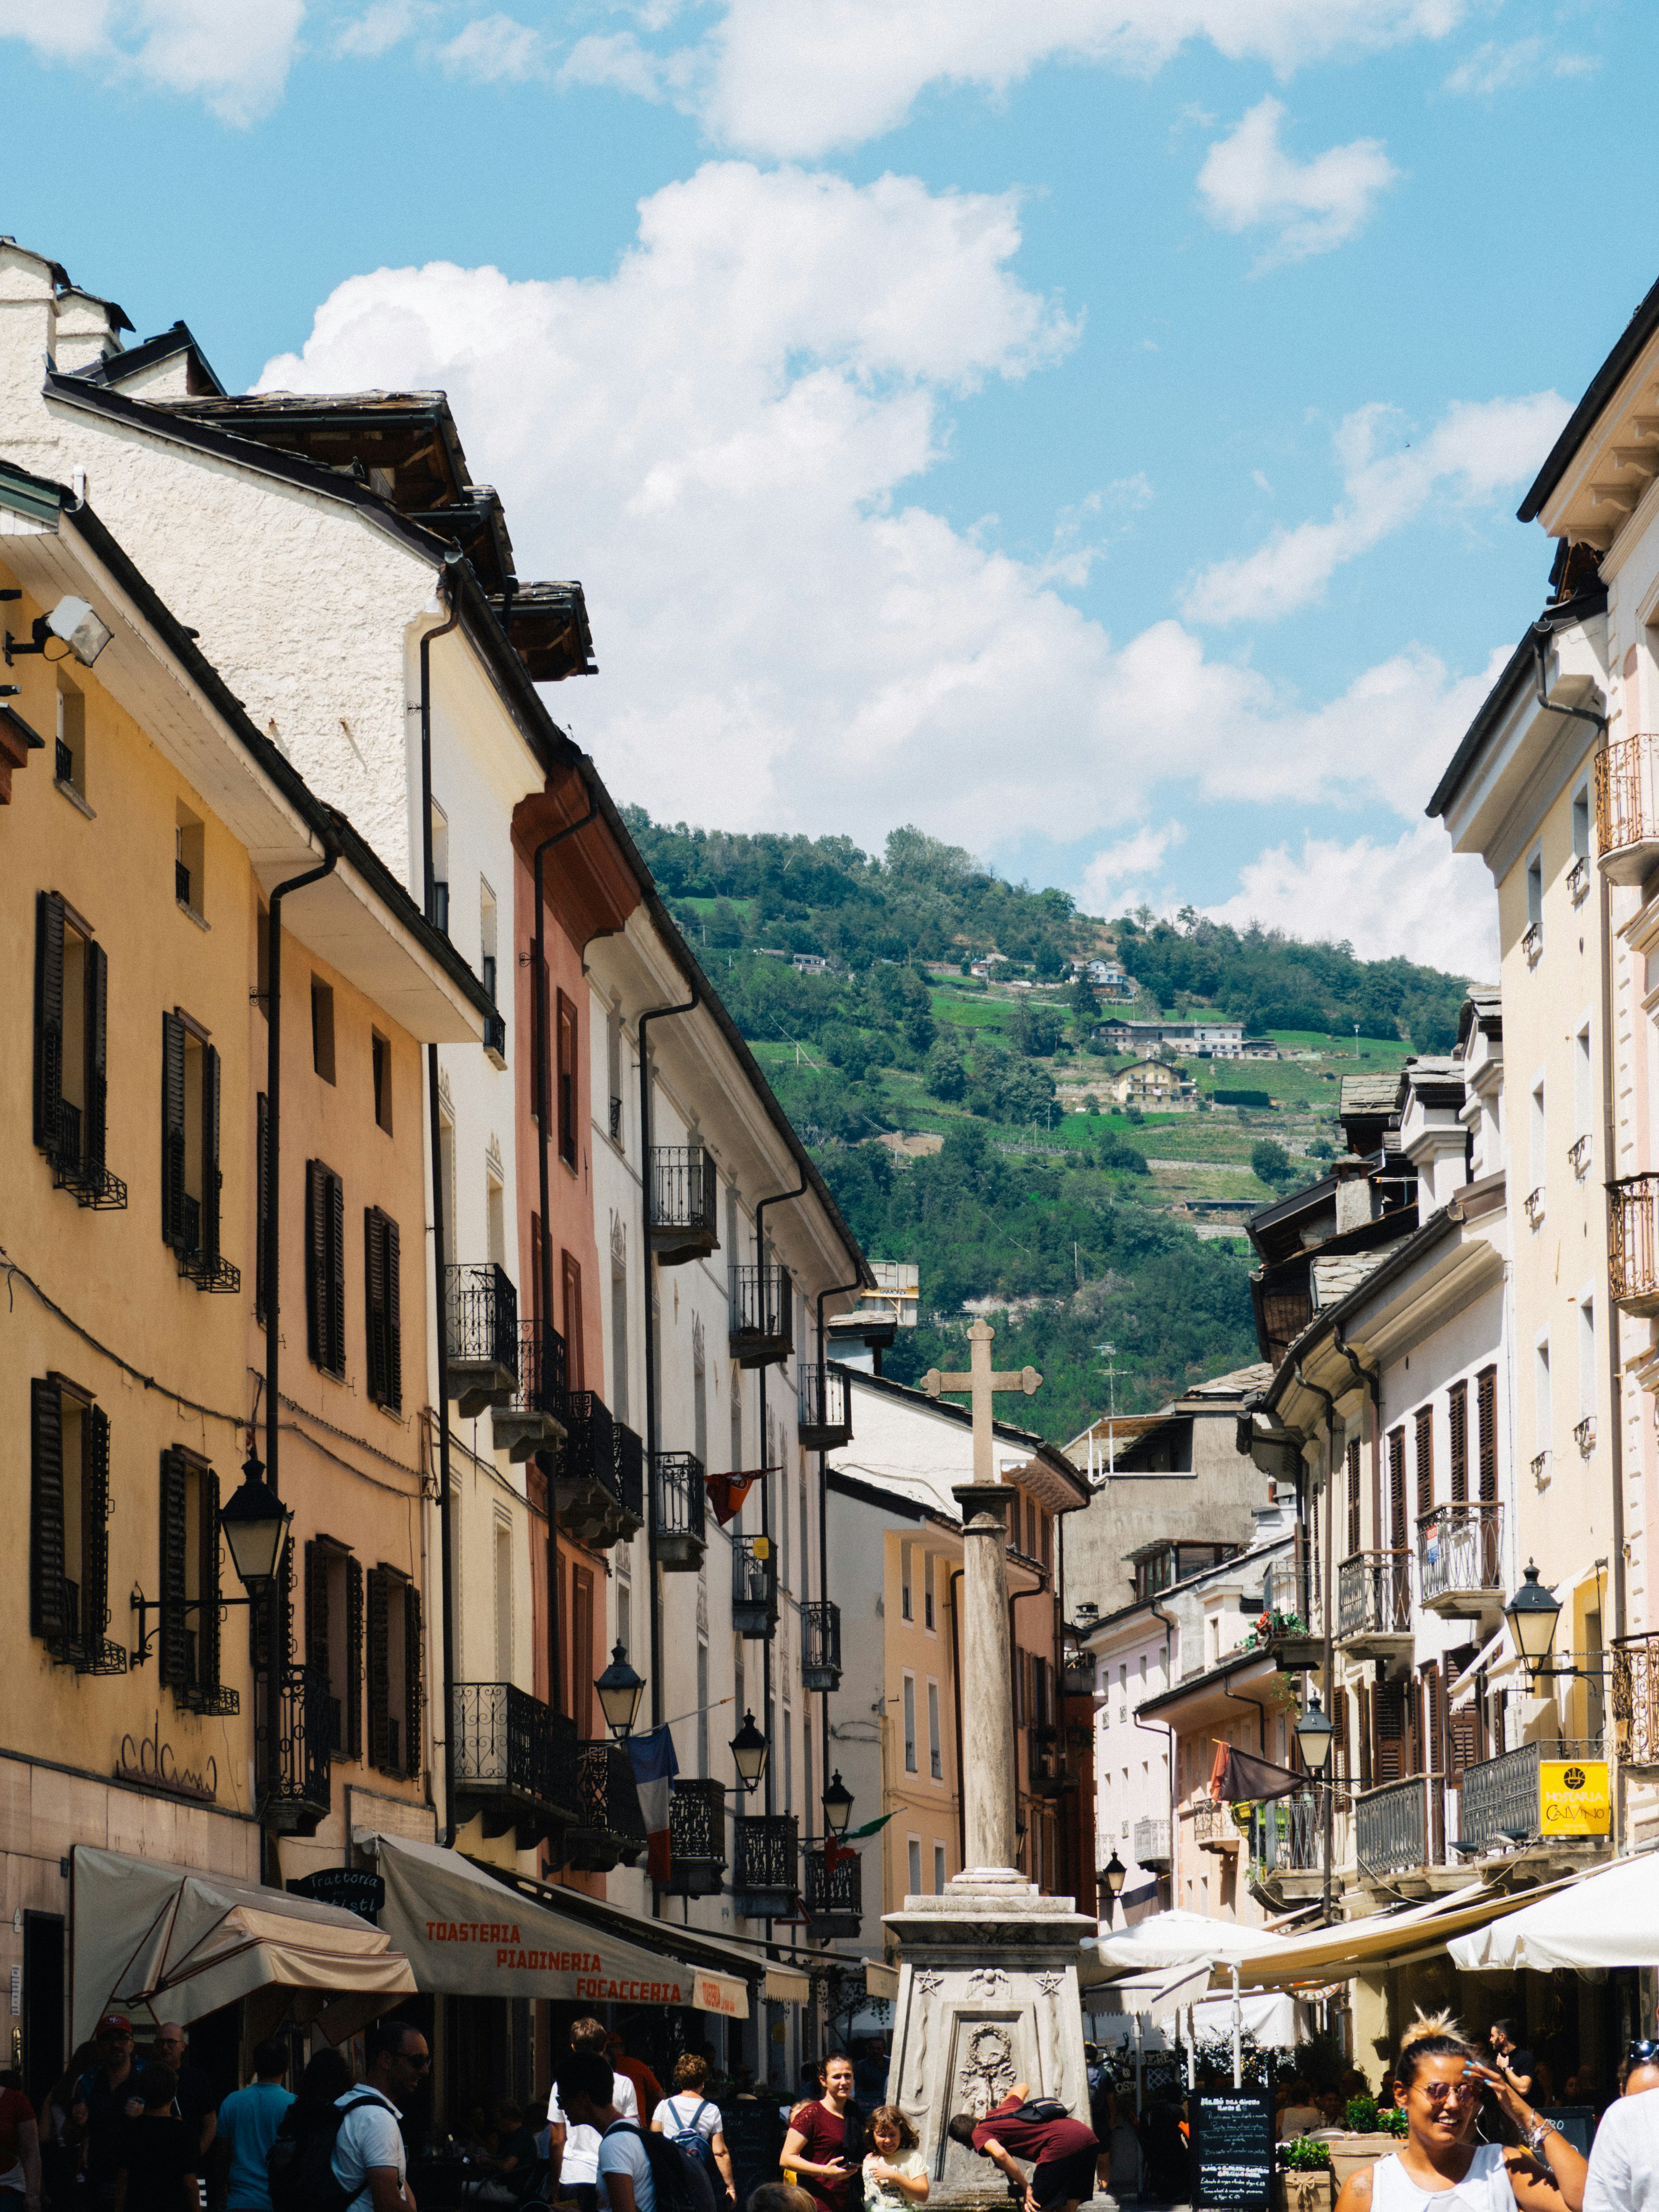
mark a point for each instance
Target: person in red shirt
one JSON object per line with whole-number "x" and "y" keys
{"x": 817, "y": 2146}
{"x": 1063, "y": 2151}
{"x": 19, "y": 2145}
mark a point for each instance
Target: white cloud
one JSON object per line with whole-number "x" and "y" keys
{"x": 1109, "y": 874}
{"x": 493, "y": 50}
{"x": 615, "y": 59}
{"x": 1415, "y": 898}
{"x": 379, "y": 29}
{"x": 725, "y": 440}
{"x": 1249, "y": 182}
{"x": 1478, "y": 449}
{"x": 1495, "y": 68}
{"x": 235, "y": 59}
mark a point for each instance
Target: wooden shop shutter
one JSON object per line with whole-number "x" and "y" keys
{"x": 1457, "y": 1427}
{"x": 208, "y": 1670}
{"x": 94, "y": 1112}
{"x": 1354, "y": 1526}
{"x": 1425, "y": 1460}
{"x": 174, "y": 1639}
{"x": 212, "y": 1179}
{"x": 1485, "y": 1400}
{"x": 1463, "y": 1742}
{"x": 262, "y": 1199}
{"x": 354, "y": 1680}
{"x": 172, "y": 1131}
{"x": 412, "y": 1682}
{"x": 94, "y": 1526}
{"x": 1389, "y": 1732}
{"x": 47, "y": 1592}
{"x": 383, "y": 1309}
{"x": 48, "y": 1017}
{"x": 1339, "y": 1722}
{"x": 379, "y": 1668}
{"x": 1397, "y": 1489}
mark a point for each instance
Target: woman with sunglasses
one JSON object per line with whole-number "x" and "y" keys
{"x": 1624, "y": 2164}
{"x": 1438, "y": 2081}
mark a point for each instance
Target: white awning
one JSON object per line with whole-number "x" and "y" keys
{"x": 177, "y": 1942}
{"x": 467, "y": 1934}
{"x": 1171, "y": 1939}
{"x": 1608, "y": 1919}
{"x": 785, "y": 1986}
{"x": 1380, "y": 1940}
{"x": 1272, "y": 2018}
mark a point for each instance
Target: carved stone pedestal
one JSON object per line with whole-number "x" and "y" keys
{"x": 987, "y": 1997}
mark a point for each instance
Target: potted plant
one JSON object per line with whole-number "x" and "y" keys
{"x": 1371, "y": 2135}
{"x": 1306, "y": 2184}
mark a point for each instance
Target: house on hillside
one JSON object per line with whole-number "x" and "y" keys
{"x": 1148, "y": 1083}
{"x": 1218, "y": 1040}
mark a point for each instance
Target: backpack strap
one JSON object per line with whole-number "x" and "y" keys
{"x": 702, "y": 2106}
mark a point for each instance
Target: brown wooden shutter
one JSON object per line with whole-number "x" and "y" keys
{"x": 1463, "y": 1742}
{"x": 336, "y": 1332}
{"x": 1363, "y": 1733}
{"x": 565, "y": 1081}
{"x": 374, "y": 1304}
{"x": 47, "y": 1592}
{"x": 412, "y": 1682}
{"x": 94, "y": 1527}
{"x": 1485, "y": 1398}
{"x": 172, "y": 1131}
{"x": 1425, "y": 1460}
{"x": 1397, "y": 1489}
{"x": 379, "y": 1668}
{"x": 315, "y": 1579}
{"x": 316, "y": 1263}
{"x": 1389, "y": 1732}
{"x": 394, "y": 1314}
{"x": 325, "y": 1268}
{"x": 262, "y": 1199}
{"x": 1457, "y": 1425}
{"x": 575, "y": 1363}
{"x": 1355, "y": 1536}
{"x": 1340, "y": 1747}
{"x": 212, "y": 1179}
{"x": 353, "y": 1664}
{"x": 94, "y": 1112}
{"x": 1434, "y": 1720}
{"x": 48, "y": 1020}
{"x": 174, "y": 1643}
{"x": 209, "y": 1665}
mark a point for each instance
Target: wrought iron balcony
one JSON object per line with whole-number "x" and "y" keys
{"x": 833, "y": 1902}
{"x": 1578, "y": 1156}
{"x": 1636, "y": 1697}
{"x": 584, "y": 1490}
{"x": 1532, "y": 943}
{"x": 73, "y": 1170}
{"x": 820, "y": 1646}
{"x": 481, "y": 1337}
{"x": 1214, "y": 1828}
{"x": 615, "y": 1121}
{"x": 826, "y": 1408}
{"x": 766, "y": 1872}
{"x": 1460, "y": 1564}
{"x": 684, "y": 1195}
{"x": 631, "y": 1478}
{"x": 515, "y": 1762}
{"x": 1287, "y": 1833}
{"x": 534, "y": 1417}
{"x": 1374, "y": 1604}
{"x": 1578, "y": 879}
{"x": 611, "y": 1831}
{"x": 680, "y": 1500}
{"x": 1048, "y": 1768}
{"x": 1391, "y": 1827}
{"x": 762, "y": 1315}
{"x": 290, "y": 1750}
{"x": 1626, "y": 815}
{"x": 1633, "y": 1247}
{"x": 696, "y": 1838}
{"x": 1151, "y": 1843}
{"x": 754, "y": 1587}
{"x": 1583, "y": 1435}
{"x": 1502, "y": 1804}
{"x": 1533, "y": 1205}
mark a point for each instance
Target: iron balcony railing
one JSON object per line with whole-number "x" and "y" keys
{"x": 610, "y": 1830}
{"x": 630, "y": 1475}
{"x": 1625, "y": 791}
{"x": 765, "y": 1864}
{"x": 696, "y": 1838}
{"x": 1374, "y": 1596}
{"x": 826, "y": 1412}
{"x": 1460, "y": 1549}
{"x": 1636, "y": 1697}
{"x": 481, "y": 1335}
{"x": 73, "y": 1169}
{"x": 1151, "y": 1843}
{"x": 679, "y": 1499}
{"x": 1287, "y": 1833}
{"x": 820, "y": 1645}
{"x": 1532, "y": 943}
{"x": 584, "y": 1470}
{"x": 834, "y": 1900}
{"x": 515, "y": 1761}
{"x": 535, "y": 1414}
{"x": 754, "y": 1587}
{"x": 1047, "y": 1764}
{"x": 438, "y": 905}
{"x": 290, "y": 1750}
{"x": 209, "y": 1271}
{"x": 1391, "y": 1827}
{"x": 684, "y": 1195}
{"x": 1214, "y": 1828}
{"x": 616, "y": 1125}
{"x": 1632, "y": 1248}
{"x": 1578, "y": 879}
{"x": 762, "y": 1315}
{"x": 1497, "y": 1801}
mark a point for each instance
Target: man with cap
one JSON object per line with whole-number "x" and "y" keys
{"x": 196, "y": 2103}
{"x": 105, "y": 2099}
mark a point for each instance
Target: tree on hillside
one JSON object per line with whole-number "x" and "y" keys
{"x": 1085, "y": 1002}
{"x": 1272, "y": 1164}
{"x": 1038, "y": 1030}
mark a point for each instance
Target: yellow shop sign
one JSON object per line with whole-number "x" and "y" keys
{"x": 1574, "y": 1797}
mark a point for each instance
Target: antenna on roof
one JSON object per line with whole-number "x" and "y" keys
{"x": 1111, "y": 1351}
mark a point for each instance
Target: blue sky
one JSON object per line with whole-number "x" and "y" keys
{"x": 1089, "y": 428}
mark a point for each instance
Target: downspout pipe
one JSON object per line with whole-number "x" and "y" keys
{"x": 1152, "y": 1728}
{"x": 779, "y": 1198}
{"x": 653, "y": 1014}
{"x": 1328, "y": 1823}
{"x": 1542, "y": 634}
{"x": 836, "y": 1291}
{"x": 543, "y": 1077}
{"x": 446, "y": 1531}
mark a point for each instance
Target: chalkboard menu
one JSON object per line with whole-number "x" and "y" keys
{"x": 1232, "y": 2142}
{"x": 354, "y": 1888}
{"x": 754, "y": 2136}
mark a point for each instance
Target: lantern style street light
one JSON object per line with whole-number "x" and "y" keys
{"x": 1532, "y": 1613}
{"x": 254, "y": 1522}
{"x": 1113, "y": 1875}
{"x": 1314, "y": 1733}
{"x": 749, "y": 1750}
{"x": 620, "y": 1691}
{"x": 837, "y": 1806}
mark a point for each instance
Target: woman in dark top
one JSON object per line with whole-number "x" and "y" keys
{"x": 158, "y": 2152}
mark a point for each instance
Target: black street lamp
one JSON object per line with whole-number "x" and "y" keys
{"x": 1532, "y": 1613}
{"x": 1314, "y": 1733}
{"x": 749, "y": 1750}
{"x": 1113, "y": 1875}
{"x": 254, "y": 1523}
{"x": 620, "y": 1691}
{"x": 837, "y": 1806}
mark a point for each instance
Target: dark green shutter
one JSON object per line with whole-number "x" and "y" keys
{"x": 175, "y": 1640}
{"x": 94, "y": 1527}
{"x": 212, "y": 1180}
{"x": 48, "y": 1016}
{"x": 172, "y": 1131}
{"x": 379, "y": 1668}
{"x": 208, "y": 1667}
{"x": 374, "y": 1304}
{"x": 354, "y": 1680}
{"x": 95, "y": 1084}
{"x": 412, "y": 1682}
{"x": 46, "y": 1511}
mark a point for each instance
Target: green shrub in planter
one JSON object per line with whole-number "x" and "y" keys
{"x": 1360, "y": 2116}
{"x": 1307, "y": 2155}
{"x": 1394, "y": 2123}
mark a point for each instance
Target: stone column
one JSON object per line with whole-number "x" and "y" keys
{"x": 987, "y": 1755}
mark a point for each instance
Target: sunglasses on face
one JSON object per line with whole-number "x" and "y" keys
{"x": 1452, "y": 2092}
{"x": 1645, "y": 2051}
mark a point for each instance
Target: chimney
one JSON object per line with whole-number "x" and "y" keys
{"x": 1353, "y": 1191}
{"x": 88, "y": 329}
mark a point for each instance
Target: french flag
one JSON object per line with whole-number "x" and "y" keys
{"x": 652, "y": 1758}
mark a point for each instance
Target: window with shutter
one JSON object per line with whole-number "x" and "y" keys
{"x": 1434, "y": 1720}
{"x": 212, "y": 1180}
{"x": 1485, "y": 1403}
{"x": 575, "y": 1362}
{"x": 565, "y": 1081}
{"x": 1425, "y": 1460}
{"x": 172, "y": 1131}
{"x": 1356, "y": 1535}
{"x": 325, "y": 1268}
{"x": 1341, "y": 1749}
{"x": 316, "y": 1607}
{"x": 209, "y": 1671}
{"x": 48, "y": 1018}
{"x": 175, "y": 1640}
{"x": 413, "y": 1677}
{"x": 1389, "y": 1732}
{"x": 262, "y": 1201}
{"x": 1397, "y": 1489}
{"x": 272, "y": 1614}
{"x": 94, "y": 1077}
{"x": 1457, "y": 1430}
{"x": 1362, "y": 1735}
{"x": 354, "y": 1677}
{"x": 378, "y": 1669}
{"x": 1463, "y": 1742}
{"x": 383, "y": 1309}
{"x": 94, "y": 1534}
{"x": 46, "y": 1594}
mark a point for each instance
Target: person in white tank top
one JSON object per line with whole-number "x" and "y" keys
{"x": 1440, "y": 2167}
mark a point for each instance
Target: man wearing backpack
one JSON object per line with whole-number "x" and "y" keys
{"x": 369, "y": 2166}
{"x": 1062, "y": 2150}
{"x": 637, "y": 2172}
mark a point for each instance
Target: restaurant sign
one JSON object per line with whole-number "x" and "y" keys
{"x": 1574, "y": 1797}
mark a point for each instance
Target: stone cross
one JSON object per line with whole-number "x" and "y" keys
{"x": 981, "y": 1379}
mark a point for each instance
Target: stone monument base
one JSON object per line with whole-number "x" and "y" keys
{"x": 987, "y": 1997}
